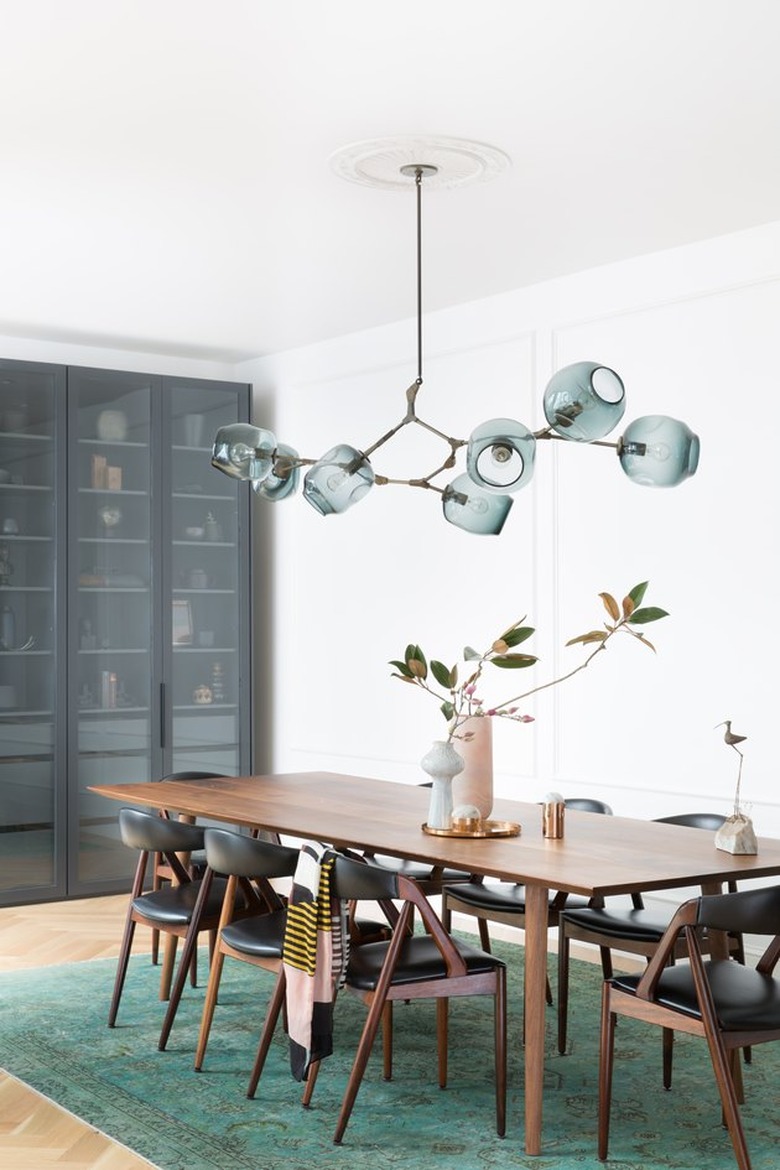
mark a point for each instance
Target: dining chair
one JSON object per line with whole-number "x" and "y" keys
{"x": 257, "y": 937}
{"x": 161, "y": 871}
{"x": 504, "y": 902}
{"x": 727, "y": 1003}
{"x": 636, "y": 931}
{"x": 429, "y": 965}
{"x": 177, "y": 908}
{"x": 254, "y": 914}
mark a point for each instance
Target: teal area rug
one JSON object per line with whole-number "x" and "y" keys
{"x": 53, "y": 1035}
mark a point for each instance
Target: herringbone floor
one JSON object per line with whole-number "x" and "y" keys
{"x": 34, "y": 1133}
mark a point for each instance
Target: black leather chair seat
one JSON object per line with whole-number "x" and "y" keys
{"x": 503, "y": 896}
{"x": 744, "y": 999}
{"x": 174, "y": 905}
{"x": 261, "y": 936}
{"x": 420, "y": 960}
{"x": 419, "y": 871}
{"x": 630, "y": 925}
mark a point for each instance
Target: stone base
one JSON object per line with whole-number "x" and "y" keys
{"x": 736, "y": 835}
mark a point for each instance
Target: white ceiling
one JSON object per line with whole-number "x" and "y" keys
{"x": 165, "y": 181}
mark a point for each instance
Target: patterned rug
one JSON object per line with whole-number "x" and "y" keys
{"x": 53, "y": 1036}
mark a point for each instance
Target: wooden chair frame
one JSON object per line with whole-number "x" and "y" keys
{"x": 751, "y": 911}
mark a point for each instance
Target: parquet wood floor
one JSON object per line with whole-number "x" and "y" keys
{"x": 34, "y": 1132}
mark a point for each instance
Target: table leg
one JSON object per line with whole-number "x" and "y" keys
{"x": 536, "y": 912}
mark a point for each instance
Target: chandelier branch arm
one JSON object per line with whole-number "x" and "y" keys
{"x": 549, "y": 433}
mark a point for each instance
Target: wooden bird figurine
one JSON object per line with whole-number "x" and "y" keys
{"x": 732, "y": 739}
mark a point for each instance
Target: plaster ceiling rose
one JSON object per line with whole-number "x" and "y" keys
{"x": 387, "y": 163}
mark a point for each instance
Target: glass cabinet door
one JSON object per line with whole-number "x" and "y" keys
{"x": 111, "y": 641}
{"x": 32, "y": 400}
{"x": 207, "y": 697}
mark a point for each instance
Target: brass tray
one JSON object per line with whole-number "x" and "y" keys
{"x": 486, "y": 829}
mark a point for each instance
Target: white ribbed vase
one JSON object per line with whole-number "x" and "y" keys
{"x": 442, "y": 763}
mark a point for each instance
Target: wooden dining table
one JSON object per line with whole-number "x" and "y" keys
{"x": 598, "y": 855}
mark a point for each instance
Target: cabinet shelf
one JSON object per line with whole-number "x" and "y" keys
{"x": 25, "y": 653}
{"x": 112, "y": 492}
{"x": 202, "y": 708}
{"x": 204, "y": 650}
{"x": 26, "y": 589}
{"x": 26, "y": 487}
{"x": 90, "y": 442}
{"x": 102, "y": 650}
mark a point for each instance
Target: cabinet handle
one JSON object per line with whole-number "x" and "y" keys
{"x": 162, "y": 715}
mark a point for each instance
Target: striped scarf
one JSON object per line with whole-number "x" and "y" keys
{"x": 314, "y": 957}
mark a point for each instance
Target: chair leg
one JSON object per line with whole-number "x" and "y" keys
{"x": 269, "y": 1025}
{"x": 606, "y": 1061}
{"x": 563, "y": 986}
{"x": 668, "y": 1050}
{"x": 387, "y": 1042}
{"x": 121, "y": 970}
{"x": 210, "y": 1003}
{"x": 442, "y": 1040}
{"x": 365, "y": 1045}
{"x": 484, "y": 935}
{"x": 499, "y": 1013}
{"x": 723, "y": 1067}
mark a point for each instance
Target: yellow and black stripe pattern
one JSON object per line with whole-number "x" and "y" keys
{"x": 308, "y": 912}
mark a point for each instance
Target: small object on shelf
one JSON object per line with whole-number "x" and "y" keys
{"x": 218, "y": 682}
{"x": 6, "y": 568}
{"x": 195, "y": 532}
{"x": 109, "y": 517}
{"x": 5, "y": 475}
{"x": 16, "y": 417}
{"x": 112, "y": 426}
{"x": 10, "y": 526}
{"x": 87, "y": 637}
{"x": 202, "y": 694}
{"x": 182, "y": 622}
{"x": 114, "y": 478}
{"x": 213, "y": 528}
{"x": 193, "y": 430}
{"x": 99, "y": 467}
{"x": 198, "y": 579}
{"x": 7, "y": 628}
{"x": 109, "y": 689}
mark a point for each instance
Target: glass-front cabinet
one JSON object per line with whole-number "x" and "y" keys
{"x": 124, "y": 610}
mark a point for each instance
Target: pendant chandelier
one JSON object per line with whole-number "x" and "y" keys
{"x": 582, "y": 403}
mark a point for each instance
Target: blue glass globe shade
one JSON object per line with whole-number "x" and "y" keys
{"x": 500, "y": 455}
{"x": 243, "y": 451}
{"x": 338, "y": 480}
{"x": 472, "y": 508}
{"x": 657, "y": 451}
{"x": 283, "y": 479}
{"x": 584, "y": 401}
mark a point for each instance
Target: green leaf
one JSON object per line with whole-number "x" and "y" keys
{"x": 470, "y": 654}
{"x": 651, "y": 613}
{"x": 514, "y": 661}
{"x": 447, "y": 710}
{"x": 402, "y": 668}
{"x": 610, "y": 605}
{"x": 517, "y": 635}
{"x": 443, "y": 675}
{"x": 638, "y": 592}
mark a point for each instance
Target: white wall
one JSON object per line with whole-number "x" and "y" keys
{"x": 693, "y": 334}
